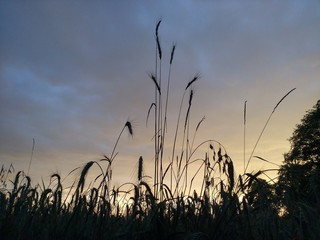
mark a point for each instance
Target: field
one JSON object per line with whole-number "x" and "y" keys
{"x": 226, "y": 206}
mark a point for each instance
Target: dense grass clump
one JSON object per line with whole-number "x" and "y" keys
{"x": 226, "y": 206}
{"x": 29, "y": 212}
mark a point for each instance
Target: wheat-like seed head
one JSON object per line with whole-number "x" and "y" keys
{"x": 129, "y": 126}
{"x": 156, "y": 83}
{"x": 158, "y": 41}
{"x": 172, "y": 53}
{"x": 140, "y": 168}
{"x": 195, "y": 78}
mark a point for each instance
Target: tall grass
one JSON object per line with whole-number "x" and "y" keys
{"x": 226, "y": 206}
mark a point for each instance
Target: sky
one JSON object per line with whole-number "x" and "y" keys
{"x": 73, "y": 72}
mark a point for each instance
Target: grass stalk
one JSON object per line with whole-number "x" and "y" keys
{"x": 31, "y": 158}
{"x": 264, "y": 127}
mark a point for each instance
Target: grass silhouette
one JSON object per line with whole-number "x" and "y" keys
{"x": 225, "y": 207}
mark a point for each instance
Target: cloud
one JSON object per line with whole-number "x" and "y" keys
{"x": 73, "y": 74}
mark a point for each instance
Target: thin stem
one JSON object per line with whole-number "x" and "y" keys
{"x": 244, "y": 135}
{"x": 265, "y": 127}
{"x": 33, "y": 144}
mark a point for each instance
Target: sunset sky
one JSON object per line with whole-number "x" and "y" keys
{"x": 73, "y": 72}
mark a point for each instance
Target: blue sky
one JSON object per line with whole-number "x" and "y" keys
{"x": 73, "y": 72}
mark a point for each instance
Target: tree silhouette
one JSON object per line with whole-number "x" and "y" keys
{"x": 298, "y": 187}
